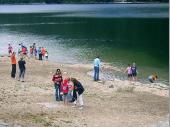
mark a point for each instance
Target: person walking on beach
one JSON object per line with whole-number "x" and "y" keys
{"x": 96, "y": 68}
{"x": 134, "y": 71}
{"x": 10, "y": 49}
{"x": 58, "y": 79}
{"x": 22, "y": 69}
{"x": 13, "y": 62}
{"x": 129, "y": 72}
{"x": 79, "y": 89}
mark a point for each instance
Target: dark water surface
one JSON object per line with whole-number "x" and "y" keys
{"x": 119, "y": 33}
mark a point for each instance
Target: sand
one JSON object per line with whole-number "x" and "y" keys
{"x": 107, "y": 103}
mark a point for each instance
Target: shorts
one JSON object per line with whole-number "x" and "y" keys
{"x": 129, "y": 75}
{"x": 134, "y": 74}
{"x": 65, "y": 96}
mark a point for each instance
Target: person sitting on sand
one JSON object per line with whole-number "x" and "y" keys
{"x": 79, "y": 89}
{"x": 22, "y": 69}
{"x": 152, "y": 78}
{"x": 58, "y": 79}
{"x": 129, "y": 72}
{"x": 134, "y": 71}
{"x": 13, "y": 62}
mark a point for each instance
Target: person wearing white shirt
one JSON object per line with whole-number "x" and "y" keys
{"x": 96, "y": 68}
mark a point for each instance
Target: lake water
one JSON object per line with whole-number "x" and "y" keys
{"x": 75, "y": 33}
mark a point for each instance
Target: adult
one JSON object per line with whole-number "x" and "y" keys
{"x": 13, "y": 63}
{"x": 58, "y": 79}
{"x": 22, "y": 68}
{"x": 40, "y": 53}
{"x": 96, "y": 68}
{"x": 79, "y": 89}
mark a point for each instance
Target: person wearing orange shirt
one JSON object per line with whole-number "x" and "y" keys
{"x": 13, "y": 62}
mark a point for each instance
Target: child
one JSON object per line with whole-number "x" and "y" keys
{"x": 46, "y": 55}
{"x": 153, "y": 78}
{"x": 9, "y": 49}
{"x": 35, "y": 52}
{"x": 65, "y": 89}
{"x": 57, "y": 79}
{"x": 129, "y": 72}
{"x": 31, "y": 51}
{"x": 134, "y": 71}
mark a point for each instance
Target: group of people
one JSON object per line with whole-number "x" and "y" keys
{"x": 41, "y": 52}
{"x": 68, "y": 88}
{"x": 131, "y": 71}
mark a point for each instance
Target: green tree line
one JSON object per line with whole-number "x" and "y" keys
{"x": 70, "y": 1}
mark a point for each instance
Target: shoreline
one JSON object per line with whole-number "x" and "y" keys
{"x": 32, "y": 103}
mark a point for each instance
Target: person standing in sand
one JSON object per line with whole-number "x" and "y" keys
{"x": 40, "y": 53}
{"x": 96, "y": 68}
{"x": 134, "y": 71}
{"x": 129, "y": 72}
{"x": 46, "y": 55}
{"x": 58, "y": 79}
{"x": 13, "y": 62}
{"x": 22, "y": 69}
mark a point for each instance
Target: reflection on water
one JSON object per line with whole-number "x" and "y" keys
{"x": 119, "y": 33}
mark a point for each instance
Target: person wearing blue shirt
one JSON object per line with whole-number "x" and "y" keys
{"x": 96, "y": 68}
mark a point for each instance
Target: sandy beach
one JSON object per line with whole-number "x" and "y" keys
{"x": 107, "y": 103}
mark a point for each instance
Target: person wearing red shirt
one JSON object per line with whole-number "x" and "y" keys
{"x": 65, "y": 88}
{"x": 57, "y": 79}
